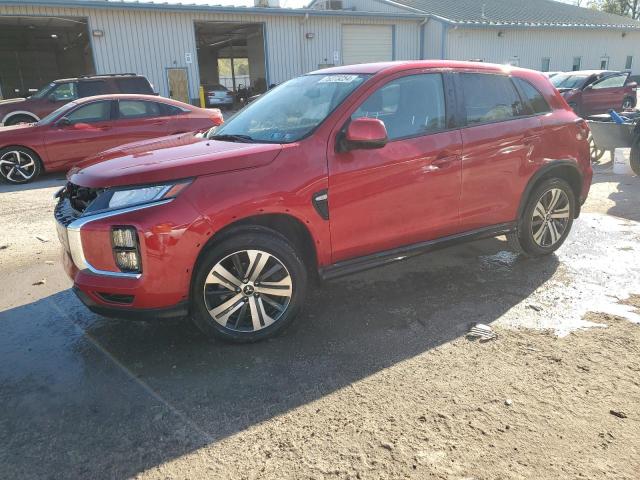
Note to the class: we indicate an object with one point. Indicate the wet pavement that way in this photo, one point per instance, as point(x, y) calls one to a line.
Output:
point(87, 397)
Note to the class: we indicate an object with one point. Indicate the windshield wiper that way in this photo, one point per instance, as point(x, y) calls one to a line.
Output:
point(233, 138)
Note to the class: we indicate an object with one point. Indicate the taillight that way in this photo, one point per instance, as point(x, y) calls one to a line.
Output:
point(125, 249)
point(583, 129)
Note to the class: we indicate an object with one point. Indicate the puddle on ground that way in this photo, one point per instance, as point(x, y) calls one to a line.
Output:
point(599, 268)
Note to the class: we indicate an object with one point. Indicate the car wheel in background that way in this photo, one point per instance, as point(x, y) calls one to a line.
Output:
point(19, 165)
point(16, 119)
point(628, 102)
point(248, 287)
point(546, 220)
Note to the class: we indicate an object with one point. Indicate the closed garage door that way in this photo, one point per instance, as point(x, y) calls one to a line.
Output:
point(366, 43)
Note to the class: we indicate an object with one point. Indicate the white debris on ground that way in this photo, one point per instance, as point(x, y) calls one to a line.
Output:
point(594, 279)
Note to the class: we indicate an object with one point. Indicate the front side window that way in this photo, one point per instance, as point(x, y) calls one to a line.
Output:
point(292, 110)
point(408, 106)
point(64, 92)
point(91, 113)
point(614, 81)
point(131, 109)
point(533, 96)
point(490, 98)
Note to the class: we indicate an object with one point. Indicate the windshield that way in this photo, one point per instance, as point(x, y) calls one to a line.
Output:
point(568, 81)
point(292, 110)
point(44, 91)
point(56, 113)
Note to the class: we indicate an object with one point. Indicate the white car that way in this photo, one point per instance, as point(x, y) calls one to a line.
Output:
point(219, 96)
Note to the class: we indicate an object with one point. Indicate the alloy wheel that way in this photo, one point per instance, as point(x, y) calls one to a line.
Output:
point(627, 103)
point(17, 166)
point(550, 217)
point(248, 290)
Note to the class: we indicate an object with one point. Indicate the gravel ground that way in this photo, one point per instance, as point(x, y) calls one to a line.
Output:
point(376, 380)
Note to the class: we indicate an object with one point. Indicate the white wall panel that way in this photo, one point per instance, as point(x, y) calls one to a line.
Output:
point(530, 46)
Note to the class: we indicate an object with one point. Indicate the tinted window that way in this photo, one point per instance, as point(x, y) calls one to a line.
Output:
point(533, 96)
point(89, 89)
point(133, 85)
point(408, 106)
point(138, 109)
point(172, 110)
point(490, 98)
point(569, 81)
point(64, 91)
point(92, 112)
point(611, 82)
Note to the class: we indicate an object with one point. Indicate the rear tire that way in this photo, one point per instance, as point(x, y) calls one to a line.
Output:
point(628, 102)
point(16, 119)
point(19, 165)
point(546, 220)
point(248, 287)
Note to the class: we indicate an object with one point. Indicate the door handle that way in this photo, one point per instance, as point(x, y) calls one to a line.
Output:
point(444, 160)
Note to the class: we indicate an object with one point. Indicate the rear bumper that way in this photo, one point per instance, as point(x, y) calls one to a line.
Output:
point(177, 311)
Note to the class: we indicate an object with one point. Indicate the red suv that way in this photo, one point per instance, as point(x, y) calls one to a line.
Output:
point(61, 92)
point(328, 174)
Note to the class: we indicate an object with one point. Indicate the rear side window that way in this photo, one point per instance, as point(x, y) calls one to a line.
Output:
point(172, 110)
point(129, 109)
point(408, 106)
point(531, 94)
point(89, 89)
point(91, 113)
point(489, 98)
point(138, 85)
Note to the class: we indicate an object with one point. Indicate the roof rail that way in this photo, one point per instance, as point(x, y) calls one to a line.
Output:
point(109, 75)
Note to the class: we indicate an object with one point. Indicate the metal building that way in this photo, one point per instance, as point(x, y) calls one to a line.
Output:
point(180, 47)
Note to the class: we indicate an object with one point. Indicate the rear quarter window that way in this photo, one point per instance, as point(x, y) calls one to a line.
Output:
point(138, 85)
point(89, 89)
point(533, 97)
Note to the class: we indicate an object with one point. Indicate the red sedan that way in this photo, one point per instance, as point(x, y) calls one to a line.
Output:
point(91, 125)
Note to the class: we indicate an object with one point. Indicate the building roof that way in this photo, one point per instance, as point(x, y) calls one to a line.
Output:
point(536, 13)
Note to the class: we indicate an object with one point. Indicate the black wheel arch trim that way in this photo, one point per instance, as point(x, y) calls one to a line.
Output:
point(543, 172)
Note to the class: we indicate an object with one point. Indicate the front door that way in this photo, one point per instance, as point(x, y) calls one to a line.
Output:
point(178, 84)
point(409, 190)
point(604, 95)
point(88, 132)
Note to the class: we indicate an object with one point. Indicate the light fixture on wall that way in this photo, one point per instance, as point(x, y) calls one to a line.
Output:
point(624, 34)
point(501, 33)
point(309, 35)
point(97, 33)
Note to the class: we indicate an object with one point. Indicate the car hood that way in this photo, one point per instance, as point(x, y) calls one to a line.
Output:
point(169, 158)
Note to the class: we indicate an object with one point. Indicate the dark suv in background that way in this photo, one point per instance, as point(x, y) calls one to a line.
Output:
point(59, 92)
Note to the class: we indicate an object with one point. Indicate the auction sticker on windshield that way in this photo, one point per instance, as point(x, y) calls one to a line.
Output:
point(339, 79)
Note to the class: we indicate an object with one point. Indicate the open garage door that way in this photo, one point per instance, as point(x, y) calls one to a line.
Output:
point(36, 50)
point(367, 43)
point(231, 59)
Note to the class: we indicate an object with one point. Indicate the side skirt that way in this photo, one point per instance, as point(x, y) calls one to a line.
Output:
point(359, 264)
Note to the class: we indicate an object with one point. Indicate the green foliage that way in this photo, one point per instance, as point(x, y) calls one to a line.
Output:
point(626, 8)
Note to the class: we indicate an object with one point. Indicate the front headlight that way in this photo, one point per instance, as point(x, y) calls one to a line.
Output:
point(124, 197)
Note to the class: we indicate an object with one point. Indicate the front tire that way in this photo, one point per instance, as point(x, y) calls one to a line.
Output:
point(546, 220)
point(248, 287)
point(19, 165)
point(628, 102)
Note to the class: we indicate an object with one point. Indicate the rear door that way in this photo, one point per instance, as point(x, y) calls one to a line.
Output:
point(604, 94)
point(499, 142)
point(88, 133)
point(140, 120)
point(409, 190)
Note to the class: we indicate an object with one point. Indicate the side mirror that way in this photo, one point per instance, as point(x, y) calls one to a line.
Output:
point(81, 126)
point(587, 88)
point(632, 84)
point(365, 133)
point(63, 122)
